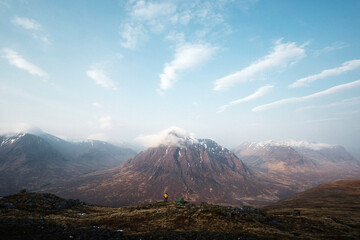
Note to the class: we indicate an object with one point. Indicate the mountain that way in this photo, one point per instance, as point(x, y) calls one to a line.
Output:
point(27, 161)
point(196, 169)
point(270, 156)
point(92, 155)
point(339, 199)
point(299, 164)
point(325, 155)
point(34, 161)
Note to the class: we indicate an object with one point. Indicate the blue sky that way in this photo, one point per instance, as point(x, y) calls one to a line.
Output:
point(233, 71)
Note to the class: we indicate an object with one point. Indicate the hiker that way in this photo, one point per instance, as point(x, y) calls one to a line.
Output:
point(166, 197)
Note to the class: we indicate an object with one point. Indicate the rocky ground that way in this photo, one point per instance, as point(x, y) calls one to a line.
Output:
point(46, 216)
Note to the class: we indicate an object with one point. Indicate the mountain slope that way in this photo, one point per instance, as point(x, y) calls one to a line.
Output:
point(307, 163)
point(27, 161)
point(35, 161)
point(340, 199)
point(198, 170)
point(272, 157)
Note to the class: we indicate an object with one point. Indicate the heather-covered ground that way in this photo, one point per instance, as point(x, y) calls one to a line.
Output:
point(45, 216)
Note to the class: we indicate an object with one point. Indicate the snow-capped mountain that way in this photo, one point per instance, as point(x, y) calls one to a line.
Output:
point(271, 156)
point(33, 161)
point(299, 163)
point(182, 166)
point(322, 155)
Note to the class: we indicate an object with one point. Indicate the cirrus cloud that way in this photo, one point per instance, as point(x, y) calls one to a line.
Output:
point(283, 54)
point(100, 77)
point(326, 92)
point(18, 61)
point(345, 67)
point(257, 94)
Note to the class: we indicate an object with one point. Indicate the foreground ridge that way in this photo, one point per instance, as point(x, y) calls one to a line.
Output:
point(46, 216)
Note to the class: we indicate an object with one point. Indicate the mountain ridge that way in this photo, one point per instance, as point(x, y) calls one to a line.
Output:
point(34, 161)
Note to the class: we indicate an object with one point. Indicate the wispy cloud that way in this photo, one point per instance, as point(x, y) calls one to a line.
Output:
point(326, 92)
point(153, 12)
point(144, 16)
point(186, 56)
point(282, 55)
point(101, 77)
point(18, 61)
point(33, 26)
point(344, 102)
point(26, 23)
point(345, 67)
point(257, 94)
point(330, 48)
point(131, 34)
point(156, 17)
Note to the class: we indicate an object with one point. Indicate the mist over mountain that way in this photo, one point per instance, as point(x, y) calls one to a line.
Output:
point(35, 161)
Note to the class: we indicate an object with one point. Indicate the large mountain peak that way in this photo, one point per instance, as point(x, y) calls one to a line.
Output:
point(182, 166)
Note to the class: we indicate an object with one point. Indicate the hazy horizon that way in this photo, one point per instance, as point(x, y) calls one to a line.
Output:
point(232, 71)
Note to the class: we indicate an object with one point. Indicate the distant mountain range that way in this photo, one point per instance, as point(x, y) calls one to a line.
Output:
point(34, 161)
point(299, 164)
point(196, 169)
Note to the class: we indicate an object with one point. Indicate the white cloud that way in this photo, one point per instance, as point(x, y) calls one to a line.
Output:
point(186, 56)
point(150, 11)
point(344, 102)
point(257, 94)
point(345, 67)
point(144, 15)
point(17, 60)
point(27, 23)
point(131, 34)
point(36, 29)
point(105, 123)
point(173, 136)
point(282, 55)
point(101, 77)
point(147, 17)
point(326, 92)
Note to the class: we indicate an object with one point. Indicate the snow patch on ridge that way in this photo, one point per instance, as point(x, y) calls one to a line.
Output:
point(11, 139)
point(290, 143)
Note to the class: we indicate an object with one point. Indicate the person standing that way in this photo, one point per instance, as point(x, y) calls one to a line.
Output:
point(166, 197)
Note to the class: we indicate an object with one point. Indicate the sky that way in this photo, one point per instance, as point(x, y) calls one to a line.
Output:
point(231, 71)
